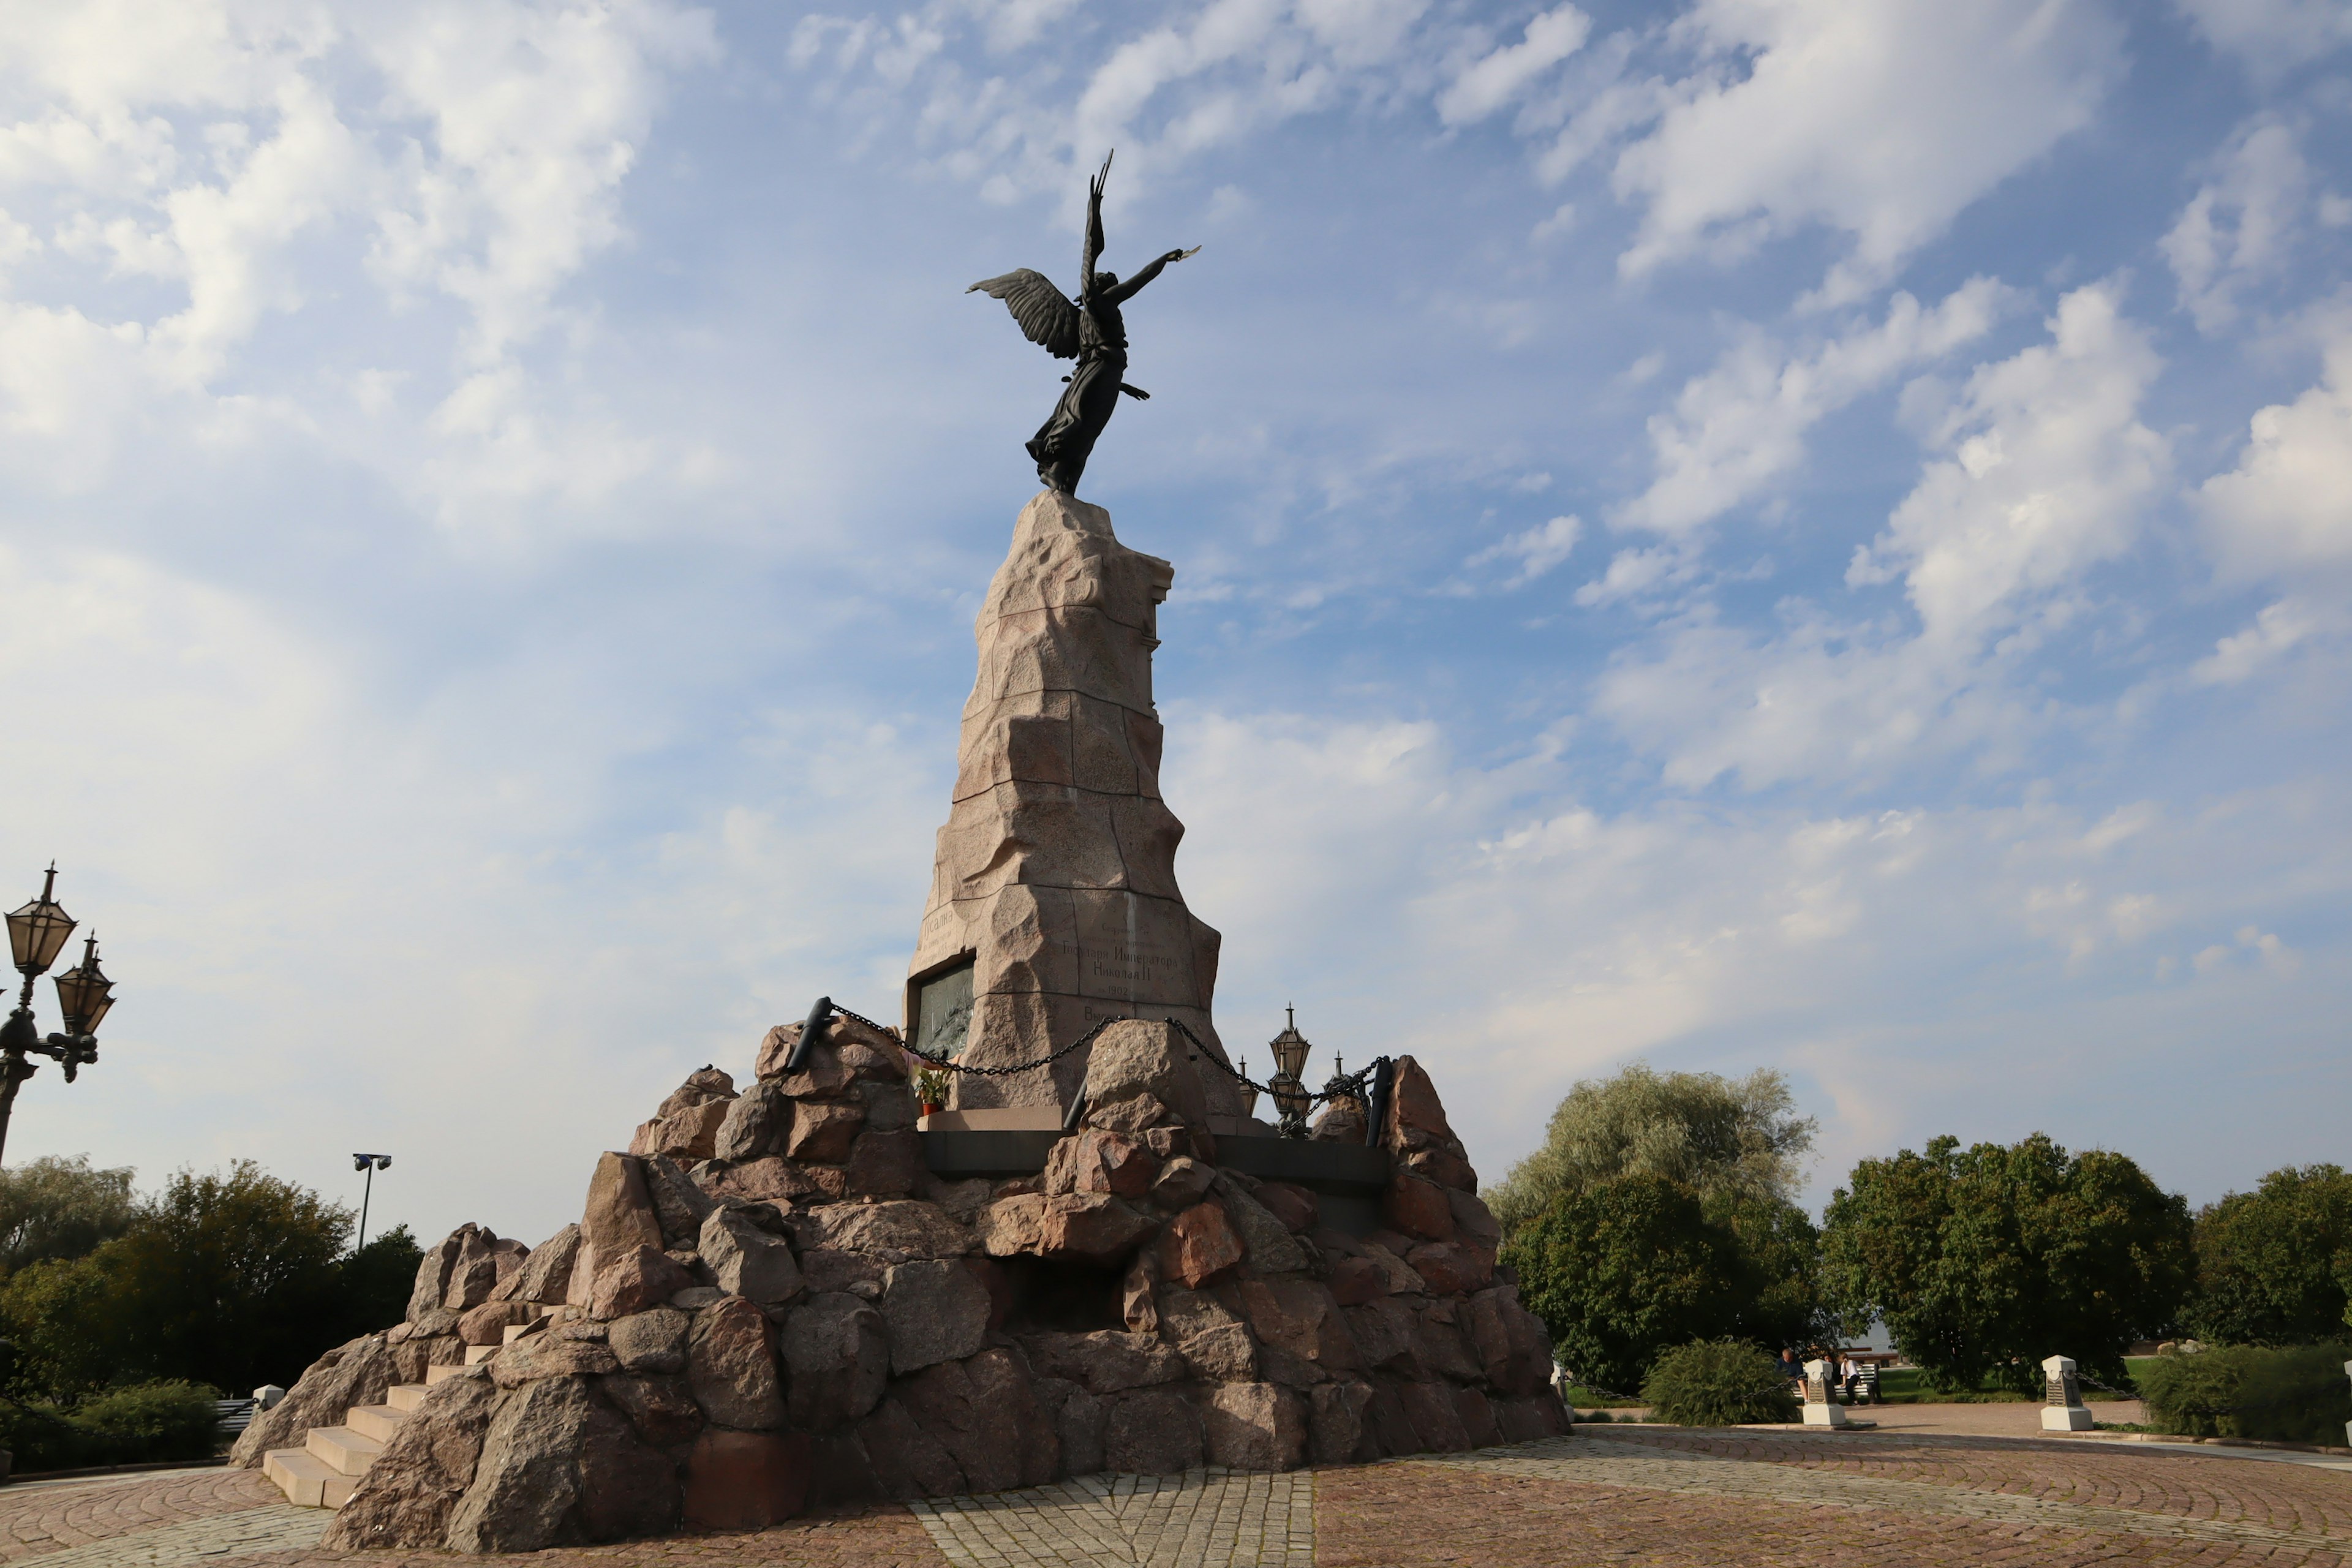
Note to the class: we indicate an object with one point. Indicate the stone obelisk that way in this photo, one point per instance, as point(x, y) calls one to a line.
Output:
point(1053, 901)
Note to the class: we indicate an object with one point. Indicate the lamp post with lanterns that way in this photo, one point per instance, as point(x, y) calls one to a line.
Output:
point(371, 1163)
point(36, 935)
point(1289, 1089)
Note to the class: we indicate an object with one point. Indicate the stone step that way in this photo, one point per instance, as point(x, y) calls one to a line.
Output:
point(344, 1448)
point(517, 1330)
point(404, 1395)
point(306, 1480)
point(476, 1355)
point(434, 1375)
point(375, 1421)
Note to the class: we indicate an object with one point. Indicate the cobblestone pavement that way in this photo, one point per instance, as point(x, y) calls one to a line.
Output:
point(1664, 1497)
point(1204, 1519)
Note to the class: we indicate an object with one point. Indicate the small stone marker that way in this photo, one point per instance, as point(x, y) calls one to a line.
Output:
point(267, 1396)
point(1820, 1410)
point(2062, 1410)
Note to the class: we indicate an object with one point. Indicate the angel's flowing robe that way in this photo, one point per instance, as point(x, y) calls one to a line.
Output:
point(1064, 442)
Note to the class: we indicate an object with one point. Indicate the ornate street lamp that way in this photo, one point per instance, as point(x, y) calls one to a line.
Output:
point(371, 1163)
point(1289, 1090)
point(36, 935)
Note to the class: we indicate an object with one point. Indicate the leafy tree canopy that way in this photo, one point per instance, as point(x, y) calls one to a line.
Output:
point(1983, 1261)
point(59, 1207)
point(2272, 1265)
point(1731, 1141)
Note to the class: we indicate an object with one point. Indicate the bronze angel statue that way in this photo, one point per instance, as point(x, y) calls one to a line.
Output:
point(1088, 330)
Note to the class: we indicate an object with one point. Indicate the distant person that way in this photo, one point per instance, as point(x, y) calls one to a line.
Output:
point(1791, 1367)
point(1849, 1376)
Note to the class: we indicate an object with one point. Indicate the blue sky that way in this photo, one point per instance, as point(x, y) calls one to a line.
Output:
point(1794, 532)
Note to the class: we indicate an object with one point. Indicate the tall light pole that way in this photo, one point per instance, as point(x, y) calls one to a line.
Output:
point(371, 1163)
point(37, 933)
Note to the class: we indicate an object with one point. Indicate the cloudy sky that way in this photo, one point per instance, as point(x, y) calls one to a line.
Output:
point(1796, 532)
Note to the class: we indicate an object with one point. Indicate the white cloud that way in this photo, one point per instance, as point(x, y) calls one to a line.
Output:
point(1537, 551)
point(2239, 227)
point(2283, 508)
point(2049, 472)
point(1495, 80)
point(2272, 36)
point(2276, 630)
point(1879, 119)
point(1743, 423)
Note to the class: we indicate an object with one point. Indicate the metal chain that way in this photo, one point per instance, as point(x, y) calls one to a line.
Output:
point(1351, 1086)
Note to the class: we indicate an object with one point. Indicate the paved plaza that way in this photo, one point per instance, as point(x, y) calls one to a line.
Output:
point(1618, 1495)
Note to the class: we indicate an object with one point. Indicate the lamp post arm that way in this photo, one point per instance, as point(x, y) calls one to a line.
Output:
point(14, 1070)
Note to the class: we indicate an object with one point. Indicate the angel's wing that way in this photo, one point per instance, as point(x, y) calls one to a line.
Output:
point(1046, 316)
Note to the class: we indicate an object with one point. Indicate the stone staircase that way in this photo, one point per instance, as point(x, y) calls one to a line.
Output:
point(323, 1472)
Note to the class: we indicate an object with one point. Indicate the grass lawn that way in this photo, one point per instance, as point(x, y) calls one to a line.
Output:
point(1906, 1386)
point(1584, 1398)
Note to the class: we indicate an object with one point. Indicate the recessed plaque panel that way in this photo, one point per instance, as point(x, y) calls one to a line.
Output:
point(943, 1012)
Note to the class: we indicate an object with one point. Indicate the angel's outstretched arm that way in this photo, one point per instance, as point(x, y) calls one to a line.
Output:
point(1128, 287)
point(1093, 248)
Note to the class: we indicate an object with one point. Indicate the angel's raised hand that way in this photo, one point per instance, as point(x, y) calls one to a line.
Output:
point(1181, 255)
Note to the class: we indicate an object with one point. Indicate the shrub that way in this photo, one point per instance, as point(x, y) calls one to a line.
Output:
point(2272, 1263)
point(1719, 1383)
point(135, 1426)
point(2289, 1395)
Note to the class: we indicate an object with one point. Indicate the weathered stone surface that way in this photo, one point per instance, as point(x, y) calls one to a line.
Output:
point(1253, 1426)
point(746, 1480)
point(884, 1164)
point(1439, 1346)
point(823, 1131)
point(354, 1373)
point(433, 1274)
point(1295, 1206)
point(447, 1350)
point(1012, 1226)
point(1357, 1279)
point(1524, 1419)
point(1213, 1340)
point(487, 1324)
point(1183, 1181)
point(661, 1409)
point(1342, 1121)
point(619, 1215)
point(1151, 1432)
point(547, 1355)
point(1478, 1418)
point(1300, 1317)
point(1079, 1419)
point(1473, 1223)
point(827, 1269)
point(983, 1411)
point(1138, 1293)
point(1198, 1245)
point(837, 1354)
point(746, 1259)
point(731, 1366)
point(934, 1310)
point(1403, 1280)
point(891, 1232)
point(703, 1086)
point(439, 1320)
point(1435, 1421)
point(1099, 1161)
point(1446, 1168)
point(1452, 1268)
point(1383, 1332)
point(907, 1462)
point(407, 1496)
point(689, 1133)
point(474, 1273)
point(679, 1206)
point(889, 1107)
point(1142, 1056)
point(640, 1278)
point(1391, 1428)
point(410, 1358)
point(546, 1275)
point(652, 1340)
point(841, 1473)
point(1416, 1117)
point(1105, 1362)
point(1514, 1347)
point(775, 1049)
point(1090, 1228)
point(1337, 1430)
point(525, 1493)
point(774, 1179)
point(1417, 1207)
point(1265, 1240)
point(757, 1122)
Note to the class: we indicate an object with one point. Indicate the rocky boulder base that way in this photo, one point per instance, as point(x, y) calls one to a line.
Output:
point(802, 1315)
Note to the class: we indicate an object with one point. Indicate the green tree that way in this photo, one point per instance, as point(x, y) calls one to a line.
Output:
point(1730, 1140)
point(59, 1207)
point(1624, 1269)
point(2272, 1264)
point(1983, 1261)
point(231, 1279)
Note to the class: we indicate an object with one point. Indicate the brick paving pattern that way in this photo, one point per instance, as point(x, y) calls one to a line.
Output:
point(1203, 1519)
point(1634, 1496)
